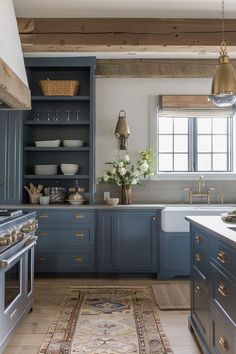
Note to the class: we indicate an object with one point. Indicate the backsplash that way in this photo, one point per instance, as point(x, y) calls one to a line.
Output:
point(162, 192)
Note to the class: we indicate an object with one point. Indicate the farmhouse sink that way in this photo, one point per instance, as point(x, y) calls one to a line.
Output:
point(173, 216)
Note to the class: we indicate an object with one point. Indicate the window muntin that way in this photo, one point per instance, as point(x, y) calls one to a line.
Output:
point(194, 144)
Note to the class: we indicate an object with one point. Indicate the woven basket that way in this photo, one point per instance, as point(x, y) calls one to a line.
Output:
point(59, 87)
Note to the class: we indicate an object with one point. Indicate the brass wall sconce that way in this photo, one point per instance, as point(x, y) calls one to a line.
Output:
point(122, 131)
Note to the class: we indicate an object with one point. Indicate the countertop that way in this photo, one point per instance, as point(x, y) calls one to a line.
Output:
point(83, 206)
point(216, 226)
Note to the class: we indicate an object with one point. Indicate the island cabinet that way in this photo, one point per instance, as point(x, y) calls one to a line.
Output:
point(126, 241)
point(213, 291)
point(65, 241)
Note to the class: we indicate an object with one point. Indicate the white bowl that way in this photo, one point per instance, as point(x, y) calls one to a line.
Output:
point(73, 143)
point(69, 168)
point(76, 202)
point(112, 201)
point(47, 143)
point(45, 169)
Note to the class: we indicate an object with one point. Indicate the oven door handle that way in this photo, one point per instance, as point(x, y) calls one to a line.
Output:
point(7, 263)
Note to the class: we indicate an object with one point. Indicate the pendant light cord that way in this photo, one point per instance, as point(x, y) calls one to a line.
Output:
point(223, 49)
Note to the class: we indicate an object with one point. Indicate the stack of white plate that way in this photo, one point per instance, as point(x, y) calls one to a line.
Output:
point(73, 143)
point(47, 143)
point(45, 169)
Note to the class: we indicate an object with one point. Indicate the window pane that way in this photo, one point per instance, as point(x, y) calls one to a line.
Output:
point(204, 162)
point(181, 125)
point(204, 125)
point(165, 125)
point(220, 162)
point(165, 162)
point(220, 143)
point(181, 162)
point(181, 143)
point(220, 126)
point(165, 143)
point(204, 143)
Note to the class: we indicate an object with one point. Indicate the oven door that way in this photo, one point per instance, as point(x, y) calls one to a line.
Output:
point(15, 288)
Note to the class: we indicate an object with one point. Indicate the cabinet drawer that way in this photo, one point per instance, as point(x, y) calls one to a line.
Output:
point(67, 236)
point(223, 256)
point(47, 262)
point(62, 216)
point(223, 334)
point(224, 292)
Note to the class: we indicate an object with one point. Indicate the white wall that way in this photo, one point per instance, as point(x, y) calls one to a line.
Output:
point(10, 47)
point(132, 95)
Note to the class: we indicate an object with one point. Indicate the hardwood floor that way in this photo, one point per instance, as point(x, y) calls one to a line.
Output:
point(49, 294)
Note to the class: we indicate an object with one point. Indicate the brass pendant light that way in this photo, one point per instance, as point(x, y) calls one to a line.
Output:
point(223, 91)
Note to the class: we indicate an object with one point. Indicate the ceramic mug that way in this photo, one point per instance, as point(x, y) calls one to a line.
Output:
point(44, 199)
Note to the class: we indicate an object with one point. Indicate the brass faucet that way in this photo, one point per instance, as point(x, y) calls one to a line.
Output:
point(199, 193)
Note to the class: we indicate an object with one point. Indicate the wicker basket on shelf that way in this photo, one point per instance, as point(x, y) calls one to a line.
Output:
point(59, 87)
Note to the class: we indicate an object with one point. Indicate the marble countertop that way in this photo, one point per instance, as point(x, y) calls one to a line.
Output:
point(83, 206)
point(216, 226)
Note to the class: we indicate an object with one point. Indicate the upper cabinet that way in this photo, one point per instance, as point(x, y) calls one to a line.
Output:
point(60, 117)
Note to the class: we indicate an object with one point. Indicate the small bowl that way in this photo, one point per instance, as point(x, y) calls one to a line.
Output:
point(69, 168)
point(45, 169)
point(112, 201)
point(73, 143)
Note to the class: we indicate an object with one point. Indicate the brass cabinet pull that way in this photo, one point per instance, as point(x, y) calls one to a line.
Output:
point(43, 234)
point(79, 259)
point(43, 216)
point(42, 259)
point(198, 239)
point(198, 257)
point(223, 343)
point(154, 218)
point(197, 289)
point(79, 216)
point(222, 289)
point(222, 257)
point(79, 234)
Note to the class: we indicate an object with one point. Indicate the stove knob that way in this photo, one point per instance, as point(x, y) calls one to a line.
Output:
point(3, 241)
point(26, 228)
point(14, 236)
point(8, 238)
point(35, 225)
point(20, 236)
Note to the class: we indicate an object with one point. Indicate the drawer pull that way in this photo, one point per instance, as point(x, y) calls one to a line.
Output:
point(221, 256)
point(79, 216)
point(223, 343)
point(79, 259)
point(42, 259)
point(79, 234)
point(222, 289)
point(198, 257)
point(43, 216)
point(197, 289)
point(198, 239)
point(43, 234)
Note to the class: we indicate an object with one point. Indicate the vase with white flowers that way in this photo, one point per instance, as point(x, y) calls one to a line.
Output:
point(126, 174)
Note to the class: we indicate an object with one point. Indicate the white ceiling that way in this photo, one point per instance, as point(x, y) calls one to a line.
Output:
point(125, 8)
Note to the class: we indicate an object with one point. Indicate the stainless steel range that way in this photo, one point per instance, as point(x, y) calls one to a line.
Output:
point(17, 242)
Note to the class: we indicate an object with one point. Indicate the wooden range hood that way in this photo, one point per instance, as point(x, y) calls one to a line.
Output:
point(14, 91)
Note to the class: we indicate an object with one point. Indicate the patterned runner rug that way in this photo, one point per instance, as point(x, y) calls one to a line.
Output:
point(106, 320)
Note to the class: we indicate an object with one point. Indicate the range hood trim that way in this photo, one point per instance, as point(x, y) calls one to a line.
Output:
point(13, 91)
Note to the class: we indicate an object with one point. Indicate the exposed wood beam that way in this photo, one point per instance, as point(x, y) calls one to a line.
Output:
point(140, 35)
point(143, 68)
point(13, 92)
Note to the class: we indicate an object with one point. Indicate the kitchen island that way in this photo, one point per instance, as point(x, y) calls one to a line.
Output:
point(213, 283)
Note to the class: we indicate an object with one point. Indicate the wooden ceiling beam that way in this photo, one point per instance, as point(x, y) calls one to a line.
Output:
point(140, 35)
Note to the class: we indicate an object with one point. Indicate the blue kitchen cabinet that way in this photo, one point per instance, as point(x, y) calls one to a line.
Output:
point(66, 241)
point(213, 291)
point(174, 257)
point(10, 157)
point(126, 241)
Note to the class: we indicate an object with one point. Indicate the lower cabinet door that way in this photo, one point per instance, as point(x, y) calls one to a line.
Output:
point(80, 261)
point(200, 306)
point(223, 333)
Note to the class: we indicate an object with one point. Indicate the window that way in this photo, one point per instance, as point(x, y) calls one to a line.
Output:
point(194, 144)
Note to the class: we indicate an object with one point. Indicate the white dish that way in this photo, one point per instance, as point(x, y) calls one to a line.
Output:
point(47, 143)
point(112, 201)
point(75, 202)
point(73, 143)
point(45, 169)
point(69, 168)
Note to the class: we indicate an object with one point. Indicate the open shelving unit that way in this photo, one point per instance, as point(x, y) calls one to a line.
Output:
point(62, 118)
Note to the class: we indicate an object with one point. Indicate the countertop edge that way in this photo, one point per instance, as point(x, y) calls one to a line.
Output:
point(84, 207)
